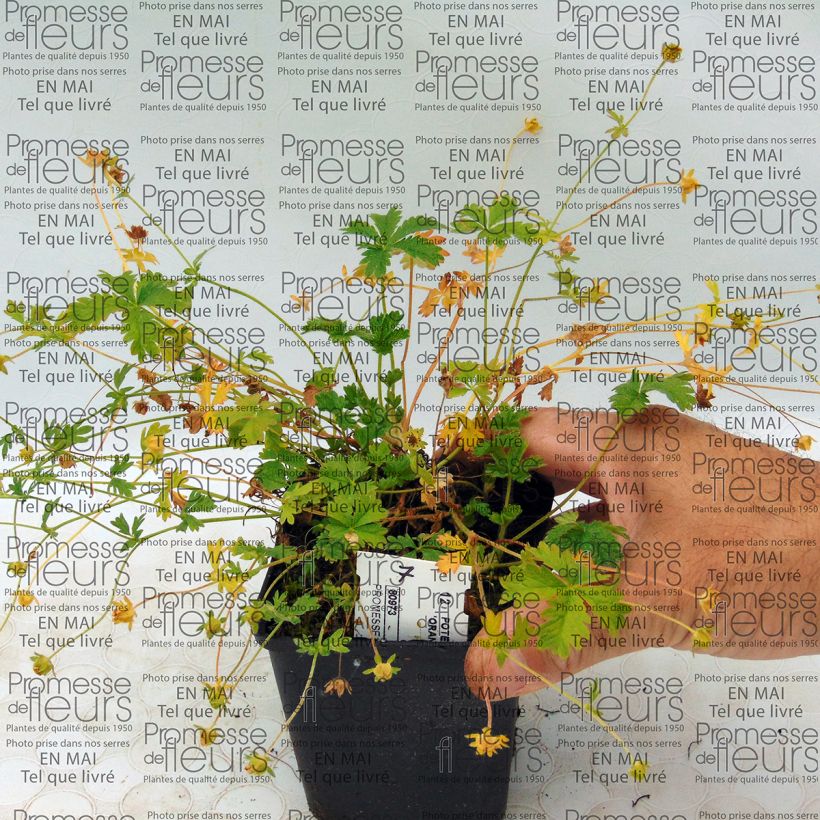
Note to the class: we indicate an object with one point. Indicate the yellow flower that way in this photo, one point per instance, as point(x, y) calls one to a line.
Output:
point(687, 183)
point(338, 687)
point(139, 257)
point(25, 598)
point(531, 125)
point(206, 736)
point(452, 560)
point(42, 664)
point(213, 626)
point(383, 671)
point(638, 770)
point(449, 562)
point(412, 440)
point(227, 580)
point(804, 442)
point(16, 569)
point(671, 53)
point(258, 764)
point(702, 638)
point(218, 693)
point(124, 612)
point(210, 397)
point(486, 743)
point(683, 339)
point(27, 454)
point(460, 430)
point(215, 555)
point(93, 158)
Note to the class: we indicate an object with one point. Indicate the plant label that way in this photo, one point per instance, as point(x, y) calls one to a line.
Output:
point(408, 599)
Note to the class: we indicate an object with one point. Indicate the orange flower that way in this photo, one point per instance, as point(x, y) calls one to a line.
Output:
point(477, 255)
point(452, 560)
point(671, 53)
point(565, 246)
point(123, 612)
point(25, 598)
point(687, 183)
point(338, 687)
point(486, 743)
point(303, 301)
point(452, 287)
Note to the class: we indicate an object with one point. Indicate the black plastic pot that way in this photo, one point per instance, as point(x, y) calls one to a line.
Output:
point(393, 750)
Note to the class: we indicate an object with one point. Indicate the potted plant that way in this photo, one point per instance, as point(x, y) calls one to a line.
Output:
point(396, 533)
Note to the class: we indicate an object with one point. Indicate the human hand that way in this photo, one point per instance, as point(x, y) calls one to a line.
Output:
point(722, 534)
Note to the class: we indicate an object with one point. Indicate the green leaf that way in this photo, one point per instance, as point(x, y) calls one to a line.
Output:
point(632, 396)
point(199, 502)
point(356, 519)
point(506, 515)
point(341, 472)
point(421, 250)
point(505, 447)
point(277, 609)
point(275, 475)
point(677, 388)
point(375, 261)
point(601, 539)
point(497, 224)
point(132, 532)
point(397, 472)
point(249, 419)
point(385, 235)
point(386, 224)
point(298, 497)
point(564, 625)
point(391, 377)
point(572, 592)
point(608, 606)
point(59, 438)
point(384, 331)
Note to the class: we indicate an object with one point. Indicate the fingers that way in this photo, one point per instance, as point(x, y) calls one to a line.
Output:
point(529, 668)
point(568, 441)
